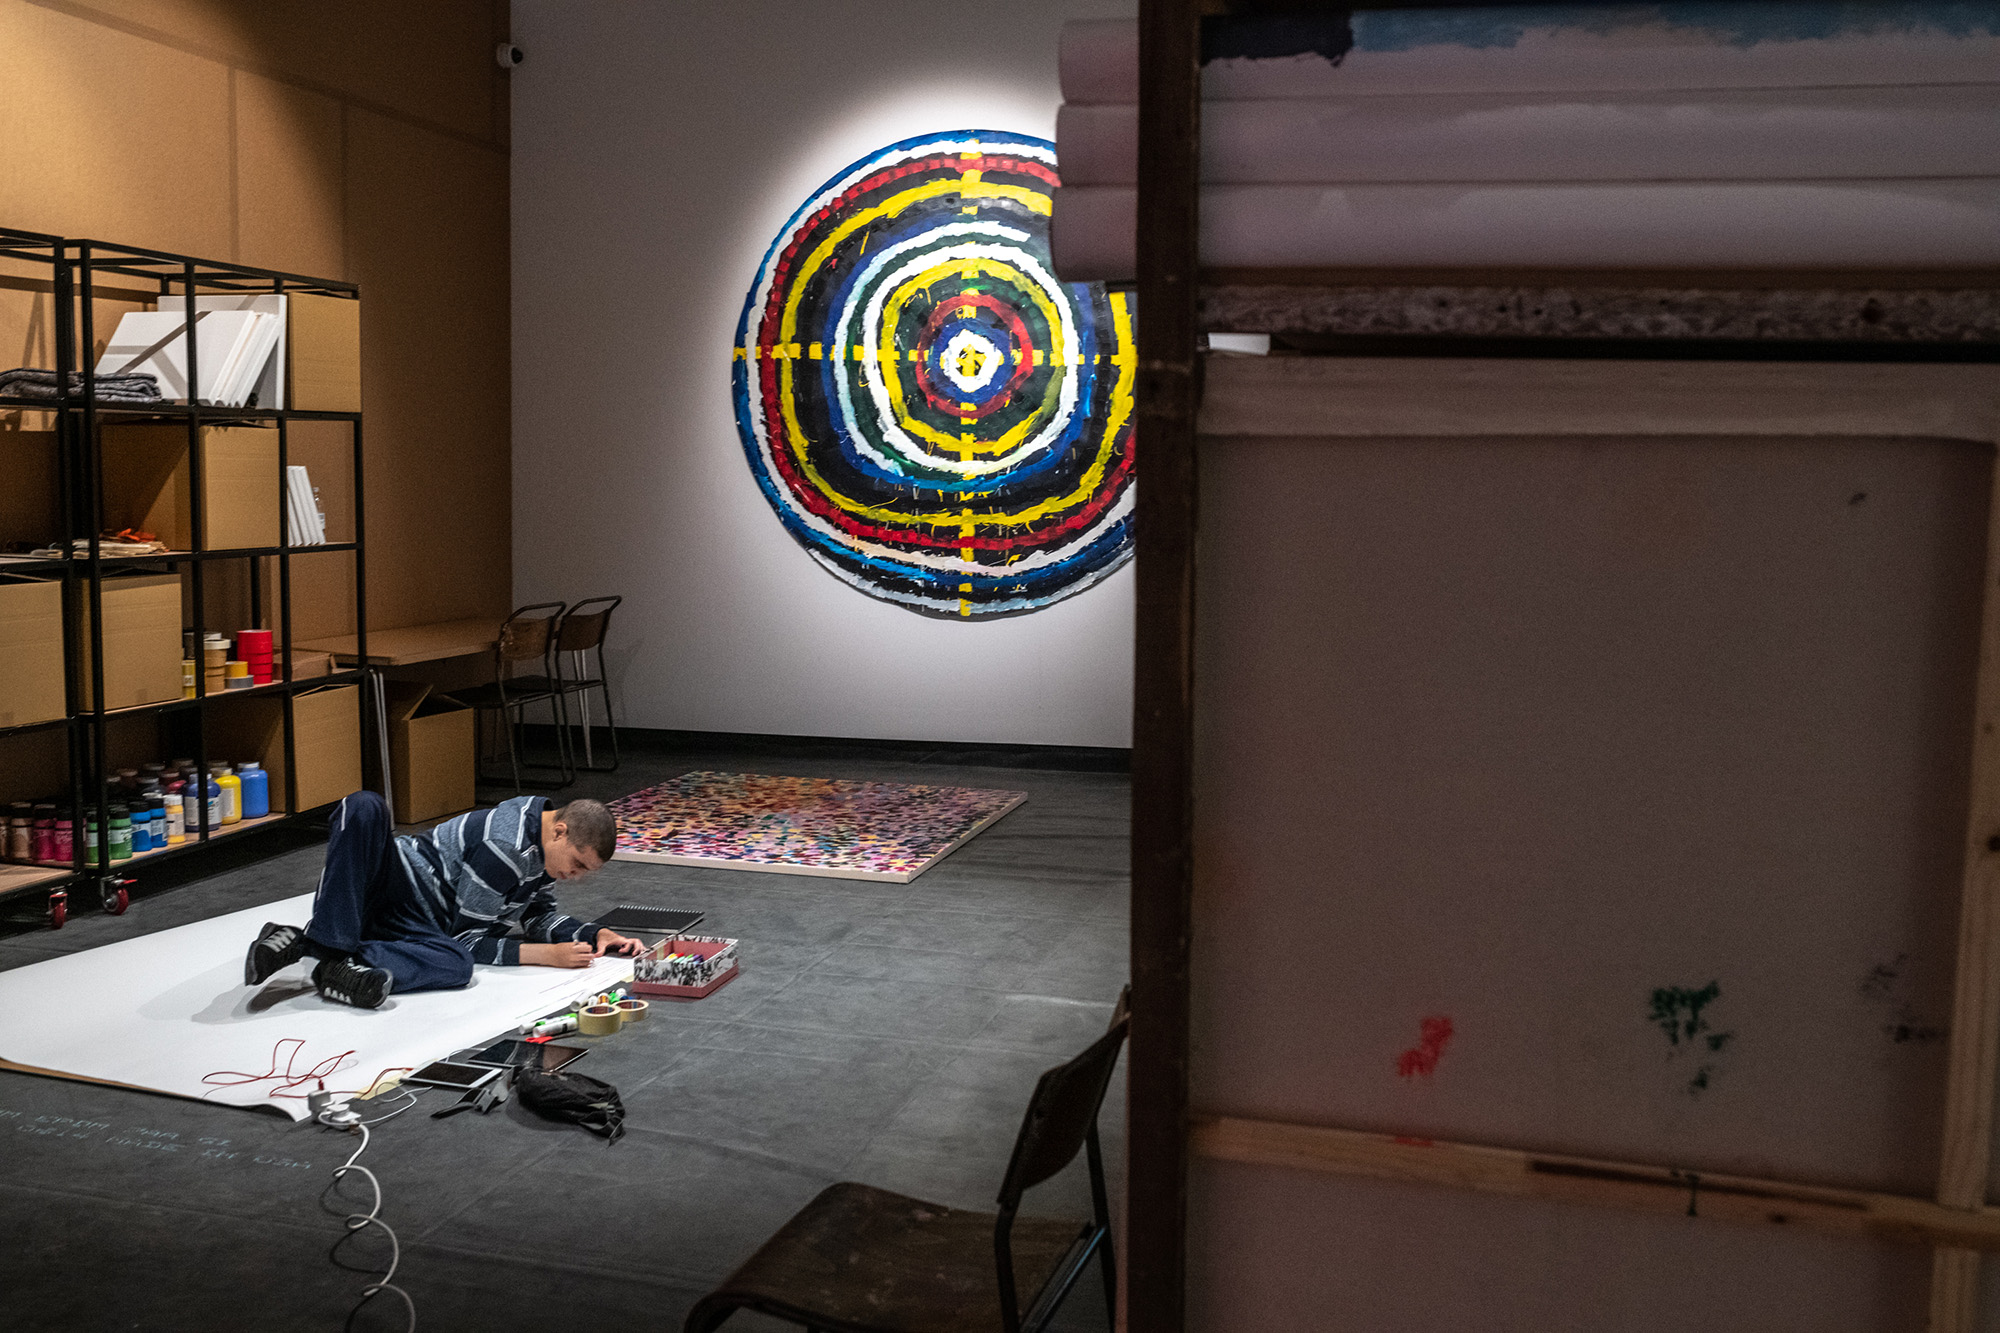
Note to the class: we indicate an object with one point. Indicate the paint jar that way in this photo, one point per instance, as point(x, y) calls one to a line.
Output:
point(63, 843)
point(187, 678)
point(119, 836)
point(156, 818)
point(20, 831)
point(256, 785)
point(90, 838)
point(152, 771)
point(142, 828)
point(230, 792)
point(42, 844)
point(176, 815)
point(128, 779)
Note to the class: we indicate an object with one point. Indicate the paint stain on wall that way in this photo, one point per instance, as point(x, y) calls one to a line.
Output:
point(1434, 1036)
point(1682, 1013)
point(1888, 984)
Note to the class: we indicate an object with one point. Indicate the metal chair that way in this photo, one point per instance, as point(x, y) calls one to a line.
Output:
point(528, 635)
point(582, 631)
point(863, 1260)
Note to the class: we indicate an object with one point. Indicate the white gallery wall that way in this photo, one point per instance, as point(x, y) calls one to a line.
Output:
point(657, 149)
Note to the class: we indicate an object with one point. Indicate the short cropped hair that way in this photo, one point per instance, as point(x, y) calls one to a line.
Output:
point(588, 824)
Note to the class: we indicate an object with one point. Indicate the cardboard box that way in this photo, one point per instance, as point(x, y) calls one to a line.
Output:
point(323, 344)
point(307, 664)
point(142, 641)
point(431, 752)
point(31, 652)
point(148, 485)
point(326, 741)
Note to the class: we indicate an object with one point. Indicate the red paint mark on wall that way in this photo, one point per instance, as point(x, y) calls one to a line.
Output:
point(1423, 1057)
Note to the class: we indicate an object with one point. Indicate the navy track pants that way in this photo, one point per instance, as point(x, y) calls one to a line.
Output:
point(367, 906)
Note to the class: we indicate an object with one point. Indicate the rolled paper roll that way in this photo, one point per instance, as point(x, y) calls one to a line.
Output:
point(631, 1010)
point(235, 668)
point(599, 1020)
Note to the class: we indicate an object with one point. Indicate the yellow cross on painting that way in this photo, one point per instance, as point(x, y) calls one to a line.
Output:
point(970, 359)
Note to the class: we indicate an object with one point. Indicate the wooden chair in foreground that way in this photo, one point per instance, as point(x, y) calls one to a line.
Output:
point(862, 1260)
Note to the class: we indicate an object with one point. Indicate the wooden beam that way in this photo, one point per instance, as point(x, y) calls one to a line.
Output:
point(1631, 1186)
point(1163, 676)
point(1974, 1059)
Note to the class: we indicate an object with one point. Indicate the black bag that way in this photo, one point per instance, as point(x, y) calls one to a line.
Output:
point(573, 1099)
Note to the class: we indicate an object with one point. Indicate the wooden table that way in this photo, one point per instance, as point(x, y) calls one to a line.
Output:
point(413, 643)
point(406, 647)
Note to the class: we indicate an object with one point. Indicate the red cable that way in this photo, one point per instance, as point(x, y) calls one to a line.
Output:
point(287, 1079)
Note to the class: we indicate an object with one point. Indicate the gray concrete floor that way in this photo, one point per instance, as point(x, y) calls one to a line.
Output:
point(879, 1032)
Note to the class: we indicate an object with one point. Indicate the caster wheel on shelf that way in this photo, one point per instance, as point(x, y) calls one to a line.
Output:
point(58, 910)
point(116, 898)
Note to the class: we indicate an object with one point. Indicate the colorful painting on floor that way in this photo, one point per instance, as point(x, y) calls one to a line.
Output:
point(803, 826)
point(932, 415)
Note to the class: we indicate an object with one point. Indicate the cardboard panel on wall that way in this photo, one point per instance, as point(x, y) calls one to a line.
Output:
point(427, 227)
point(324, 450)
point(131, 137)
point(288, 178)
point(432, 61)
point(30, 499)
point(322, 595)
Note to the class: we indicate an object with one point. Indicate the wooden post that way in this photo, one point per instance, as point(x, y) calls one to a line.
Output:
point(1974, 1059)
point(1163, 686)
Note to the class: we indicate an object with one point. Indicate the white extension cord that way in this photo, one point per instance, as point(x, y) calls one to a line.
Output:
point(337, 1112)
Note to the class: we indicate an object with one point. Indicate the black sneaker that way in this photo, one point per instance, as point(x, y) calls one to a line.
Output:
point(276, 947)
point(350, 981)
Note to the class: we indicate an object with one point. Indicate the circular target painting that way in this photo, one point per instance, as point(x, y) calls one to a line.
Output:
point(932, 415)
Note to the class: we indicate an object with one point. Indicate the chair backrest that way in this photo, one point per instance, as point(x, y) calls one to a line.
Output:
point(585, 624)
point(1062, 1113)
point(526, 634)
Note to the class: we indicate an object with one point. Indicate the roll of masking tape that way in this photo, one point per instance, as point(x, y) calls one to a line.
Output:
point(631, 1010)
point(599, 1020)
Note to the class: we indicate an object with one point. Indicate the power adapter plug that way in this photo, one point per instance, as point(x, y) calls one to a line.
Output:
point(333, 1108)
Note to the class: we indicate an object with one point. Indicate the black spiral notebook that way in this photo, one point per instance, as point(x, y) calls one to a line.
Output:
point(656, 920)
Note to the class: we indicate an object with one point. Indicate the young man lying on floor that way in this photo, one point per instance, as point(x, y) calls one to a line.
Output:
point(415, 912)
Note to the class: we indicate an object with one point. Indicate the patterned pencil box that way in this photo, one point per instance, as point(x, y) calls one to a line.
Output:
point(686, 967)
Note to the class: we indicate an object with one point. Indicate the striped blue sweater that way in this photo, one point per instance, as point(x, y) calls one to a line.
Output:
point(482, 880)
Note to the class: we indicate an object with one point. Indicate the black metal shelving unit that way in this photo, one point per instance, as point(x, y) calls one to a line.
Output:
point(76, 268)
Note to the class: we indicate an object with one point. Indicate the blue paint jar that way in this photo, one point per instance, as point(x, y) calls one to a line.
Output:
point(256, 789)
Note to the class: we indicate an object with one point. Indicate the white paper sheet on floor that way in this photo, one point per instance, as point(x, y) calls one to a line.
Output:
point(165, 1010)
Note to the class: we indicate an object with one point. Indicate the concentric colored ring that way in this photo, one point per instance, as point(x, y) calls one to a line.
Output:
point(931, 414)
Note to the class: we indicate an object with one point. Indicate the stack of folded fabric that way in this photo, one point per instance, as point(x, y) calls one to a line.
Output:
point(40, 385)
